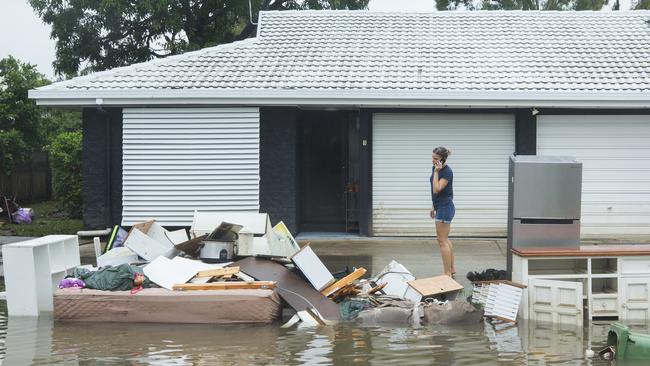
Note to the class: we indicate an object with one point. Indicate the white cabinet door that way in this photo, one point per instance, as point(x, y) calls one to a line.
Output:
point(557, 302)
point(636, 303)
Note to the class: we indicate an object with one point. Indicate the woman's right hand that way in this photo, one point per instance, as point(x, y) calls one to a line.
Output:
point(432, 214)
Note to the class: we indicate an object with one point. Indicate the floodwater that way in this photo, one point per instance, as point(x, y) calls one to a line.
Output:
point(41, 341)
point(25, 341)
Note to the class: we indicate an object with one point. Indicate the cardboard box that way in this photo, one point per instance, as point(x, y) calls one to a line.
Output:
point(426, 287)
point(150, 240)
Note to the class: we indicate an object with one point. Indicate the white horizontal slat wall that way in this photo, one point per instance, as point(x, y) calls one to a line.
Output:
point(615, 156)
point(401, 166)
point(177, 160)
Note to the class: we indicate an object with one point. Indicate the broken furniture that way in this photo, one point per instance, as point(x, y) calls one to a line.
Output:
point(394, 277)
point(158, 305)
point(33, 270)
point(312, 267)
point(544, 202)
point(604, 280)
point(345, 281)
point(294, 290)
point(500, 299)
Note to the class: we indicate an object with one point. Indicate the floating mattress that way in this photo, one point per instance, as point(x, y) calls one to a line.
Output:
point(159, 305)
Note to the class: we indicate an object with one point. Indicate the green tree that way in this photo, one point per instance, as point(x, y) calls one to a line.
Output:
point(642, 4)
point(24, 126)
point(13, 150)
point(19, 117)
point(65, 157)
point(93, 35)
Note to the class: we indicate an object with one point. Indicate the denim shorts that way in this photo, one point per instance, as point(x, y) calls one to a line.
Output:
point(445, 213)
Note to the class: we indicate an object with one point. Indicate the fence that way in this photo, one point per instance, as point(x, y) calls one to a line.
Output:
point(30, 182)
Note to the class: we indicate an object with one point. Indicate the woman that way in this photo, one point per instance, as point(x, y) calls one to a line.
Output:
point(442, 195)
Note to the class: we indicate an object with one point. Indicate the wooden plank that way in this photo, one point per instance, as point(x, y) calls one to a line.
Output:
point(218, 272)
point(375, 289)
point(224, 286)
point(435, 285)
point(344, 281)
point(585, 251)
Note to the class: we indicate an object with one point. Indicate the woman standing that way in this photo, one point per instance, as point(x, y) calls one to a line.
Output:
point(442, 195)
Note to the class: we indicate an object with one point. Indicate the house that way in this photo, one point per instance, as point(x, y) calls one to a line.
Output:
point(326, 120)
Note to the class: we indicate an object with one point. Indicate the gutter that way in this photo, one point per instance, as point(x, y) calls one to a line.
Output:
point(344, 98)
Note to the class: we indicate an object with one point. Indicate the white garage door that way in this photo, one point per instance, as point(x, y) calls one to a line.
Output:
point(177, 160)
point(401, 166)
point(615, 152)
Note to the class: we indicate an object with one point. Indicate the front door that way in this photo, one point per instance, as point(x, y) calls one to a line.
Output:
point(323, 170)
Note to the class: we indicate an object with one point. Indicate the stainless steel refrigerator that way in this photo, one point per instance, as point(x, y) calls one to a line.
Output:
point(544, 198)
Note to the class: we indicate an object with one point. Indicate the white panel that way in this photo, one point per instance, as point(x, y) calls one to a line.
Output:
point(636, 300)
point(177, 160)
point(312, 267)
point(401, 167)
point(555, 301)
point(615, 152)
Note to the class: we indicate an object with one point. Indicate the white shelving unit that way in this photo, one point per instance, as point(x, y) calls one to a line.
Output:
point(595, 281)
point(33, 269)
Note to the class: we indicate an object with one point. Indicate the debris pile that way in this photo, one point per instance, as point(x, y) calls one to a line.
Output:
point(239, 261)
point(499, 298)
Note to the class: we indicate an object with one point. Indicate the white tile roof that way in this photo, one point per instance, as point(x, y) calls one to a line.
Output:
point(361, 56)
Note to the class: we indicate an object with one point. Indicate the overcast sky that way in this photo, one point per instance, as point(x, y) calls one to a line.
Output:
point(23, 35)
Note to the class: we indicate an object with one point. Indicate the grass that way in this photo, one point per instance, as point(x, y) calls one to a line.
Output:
point(48, 219)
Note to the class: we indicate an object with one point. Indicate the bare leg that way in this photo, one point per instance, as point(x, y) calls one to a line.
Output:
point(453, 261)
point(442, 233)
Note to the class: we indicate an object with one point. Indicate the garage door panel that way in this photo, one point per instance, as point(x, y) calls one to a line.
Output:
point(401, 156)
point(615, 153)
point(176, 161)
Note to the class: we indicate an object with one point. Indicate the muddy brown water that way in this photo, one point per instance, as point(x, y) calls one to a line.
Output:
point(30, 341)
point(41, 341)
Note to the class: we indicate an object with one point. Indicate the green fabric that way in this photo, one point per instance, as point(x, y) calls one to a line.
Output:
point(350, 309)
point(118, 278)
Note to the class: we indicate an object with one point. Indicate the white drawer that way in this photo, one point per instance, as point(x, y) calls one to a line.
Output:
point(601, 307)
point(635, 266)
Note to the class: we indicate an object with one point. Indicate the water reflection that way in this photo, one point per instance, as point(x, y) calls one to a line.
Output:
point(40, 341)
